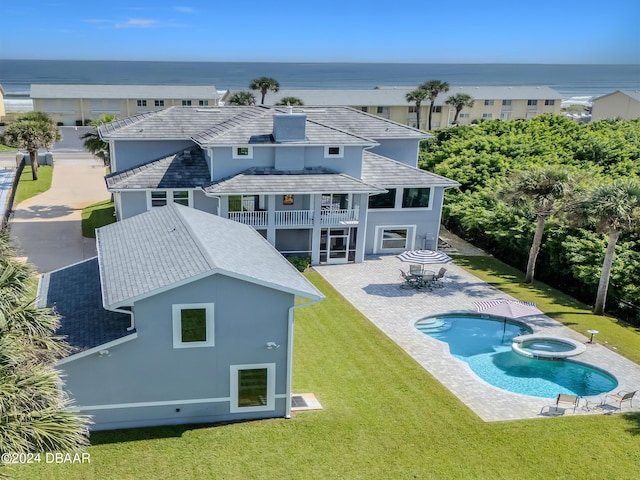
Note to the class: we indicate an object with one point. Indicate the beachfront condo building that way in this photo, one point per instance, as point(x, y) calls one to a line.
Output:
point(619, 104)
point(79, 104)
point(491, 102)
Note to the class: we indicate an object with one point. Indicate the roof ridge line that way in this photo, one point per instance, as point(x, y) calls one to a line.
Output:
point(194, 237)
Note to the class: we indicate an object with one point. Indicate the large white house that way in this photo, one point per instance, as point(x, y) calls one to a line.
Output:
point(332, 184)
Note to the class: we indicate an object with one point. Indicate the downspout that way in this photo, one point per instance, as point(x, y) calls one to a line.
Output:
point(290, 354)
point(129, 312)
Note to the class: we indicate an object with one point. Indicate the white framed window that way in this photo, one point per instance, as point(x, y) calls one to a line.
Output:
point(142, 103)
point(437, 109)
point(394, 238)
point(253, 387)
point(364, 109)
point(532, 103)
point(505, 116)
point(203, 103)
point(333, 151)
point(193, 325)
point(413, 109)
point(382, 110)
point(242, 152)
point(488, 103)
point(506, 103)
point(160, 198)
point(463, 115)
point(158, 103)
point(487, 115)
point(549, 102)
point(186, 103)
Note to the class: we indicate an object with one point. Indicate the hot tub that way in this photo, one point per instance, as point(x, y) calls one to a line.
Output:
point(540, 346)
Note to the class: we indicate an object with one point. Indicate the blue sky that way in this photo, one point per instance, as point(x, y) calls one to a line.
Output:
point(422, 31)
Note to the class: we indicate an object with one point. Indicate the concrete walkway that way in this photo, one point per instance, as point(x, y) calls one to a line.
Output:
point(373, 287)
point(46, 229)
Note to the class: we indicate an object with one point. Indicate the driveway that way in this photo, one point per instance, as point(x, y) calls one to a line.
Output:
point(46, 229)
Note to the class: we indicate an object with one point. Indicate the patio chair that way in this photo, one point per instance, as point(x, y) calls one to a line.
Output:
point(437, 278)
point(415, 269)
point(409, 280)
point(620, 397)
point(563, 402)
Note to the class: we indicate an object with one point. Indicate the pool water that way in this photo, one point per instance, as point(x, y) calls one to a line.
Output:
point(485, 344)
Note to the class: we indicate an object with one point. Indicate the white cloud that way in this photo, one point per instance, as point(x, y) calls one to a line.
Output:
point(186, 9)
point(137, 23)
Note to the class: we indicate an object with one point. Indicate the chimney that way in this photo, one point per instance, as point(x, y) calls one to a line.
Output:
point(289, 127)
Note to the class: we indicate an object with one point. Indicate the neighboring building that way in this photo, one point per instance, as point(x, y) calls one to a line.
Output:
point(619, 104)
point(183, 317)
point(503, 102)
point(79, 104)
point(329, 183)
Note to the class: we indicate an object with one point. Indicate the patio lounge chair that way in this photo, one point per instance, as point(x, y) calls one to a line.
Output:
point(563, 402)
point(620, 397)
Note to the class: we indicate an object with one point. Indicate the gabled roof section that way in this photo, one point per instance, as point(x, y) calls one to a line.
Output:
point(74, 293)
point(174, 245)
point(633, 94)
point(361, 123)
point(384, 172)
point(259, 130)
point(185, 169)
point(271, 181)
point(173, 123)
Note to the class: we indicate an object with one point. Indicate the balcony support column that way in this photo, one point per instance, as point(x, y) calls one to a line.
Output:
point(271, 219)
point(315, 232)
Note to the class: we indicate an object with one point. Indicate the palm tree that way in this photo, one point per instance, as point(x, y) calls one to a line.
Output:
point(34, 414)
point(242, 98)
point(290, 101)
point(613, 208)
point(264, 84)
point(545, 187)
point(459, 101)
point(433, 88)
point(417, 96)
point(31, 131)
point(94, 144)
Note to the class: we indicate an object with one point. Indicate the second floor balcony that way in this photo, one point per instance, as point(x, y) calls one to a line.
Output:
point(296, 218)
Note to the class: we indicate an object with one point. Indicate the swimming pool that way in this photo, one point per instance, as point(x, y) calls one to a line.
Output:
point(484, 343)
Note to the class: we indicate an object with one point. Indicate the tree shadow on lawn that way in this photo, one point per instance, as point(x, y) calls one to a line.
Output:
point(634, 422)
point(106, 437)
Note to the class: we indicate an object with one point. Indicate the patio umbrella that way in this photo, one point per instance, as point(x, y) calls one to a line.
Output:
point(424, 257)
point(507, 308)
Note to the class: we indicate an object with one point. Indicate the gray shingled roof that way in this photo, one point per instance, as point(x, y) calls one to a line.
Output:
point(74, 293)
point(185, 169)
point(634, 94)
point(233, 125)
point(384, 172)
point(272, 181)
point(157, 250)
point(396, 95)
point(175, 122)
point(259, 131)
point(186, 92)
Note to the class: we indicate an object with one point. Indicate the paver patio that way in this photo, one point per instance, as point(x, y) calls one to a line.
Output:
point(373, 287)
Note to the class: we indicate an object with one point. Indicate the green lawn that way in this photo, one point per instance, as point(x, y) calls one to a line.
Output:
point(384, 417)
point(96, 216)
point(621, 337)
point(4, 148)
point(28, 188)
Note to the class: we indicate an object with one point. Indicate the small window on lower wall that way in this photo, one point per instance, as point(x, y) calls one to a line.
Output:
point(193, 325)
point(253, 387)
point(393, 239)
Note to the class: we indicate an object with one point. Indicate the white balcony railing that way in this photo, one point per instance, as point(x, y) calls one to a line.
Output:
point(296, 218)
point(293, 218)
point(255, 219)
point(339, 217)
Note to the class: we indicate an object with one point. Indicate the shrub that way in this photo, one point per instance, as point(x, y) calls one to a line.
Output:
point(301, 263)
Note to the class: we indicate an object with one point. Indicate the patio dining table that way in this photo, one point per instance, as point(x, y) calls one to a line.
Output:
point(422, 280)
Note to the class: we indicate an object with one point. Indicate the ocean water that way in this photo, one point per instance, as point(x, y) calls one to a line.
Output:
point(571, 81)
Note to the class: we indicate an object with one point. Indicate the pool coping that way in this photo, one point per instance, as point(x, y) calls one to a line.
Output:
point(373, 288)
point(578, 348)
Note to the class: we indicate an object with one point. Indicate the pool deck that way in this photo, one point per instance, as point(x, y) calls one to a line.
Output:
point(373, 287)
